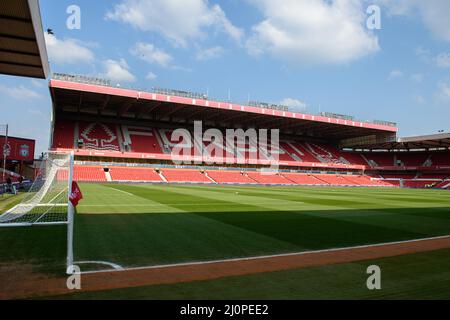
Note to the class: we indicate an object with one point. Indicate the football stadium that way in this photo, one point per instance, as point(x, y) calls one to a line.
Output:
point(169, 194)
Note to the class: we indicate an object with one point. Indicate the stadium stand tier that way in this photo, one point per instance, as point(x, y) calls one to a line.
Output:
point(137, 129)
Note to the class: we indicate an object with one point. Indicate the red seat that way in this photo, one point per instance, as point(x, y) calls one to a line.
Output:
point(134, 174)
point(182, 175)
point(264, 178)
point(230, 177)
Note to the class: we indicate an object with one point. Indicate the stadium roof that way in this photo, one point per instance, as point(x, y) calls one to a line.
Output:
point(117, 103)
point(22, 44)
point(434, 141)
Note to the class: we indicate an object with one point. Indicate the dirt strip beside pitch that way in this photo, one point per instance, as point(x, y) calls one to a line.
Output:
point(41, 286)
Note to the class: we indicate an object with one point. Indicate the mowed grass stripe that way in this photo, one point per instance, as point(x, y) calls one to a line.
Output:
point(340, 198)
point(107, 199)
point(147, 225)
point(416, 219)
point(160, 238)
point(302, 232)
point(295, 229)
point(242, 199)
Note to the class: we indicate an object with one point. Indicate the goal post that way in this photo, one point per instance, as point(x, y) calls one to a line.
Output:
point(47, 201)
point(70, 218)
point(4, 149)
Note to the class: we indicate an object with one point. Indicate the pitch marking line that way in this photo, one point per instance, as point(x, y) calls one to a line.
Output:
point(112, 265)
point(267, 256)
point(127, 193)
point(174, 204)
point(57, 196)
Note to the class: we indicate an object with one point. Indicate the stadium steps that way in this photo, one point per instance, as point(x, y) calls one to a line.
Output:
point(274, 178)
point(108, 176)
point(161, 175)
point(185, 176)
point(251, 178)
point(212, 180)
point(287, 178)
point(321, 180)
point(230, 177)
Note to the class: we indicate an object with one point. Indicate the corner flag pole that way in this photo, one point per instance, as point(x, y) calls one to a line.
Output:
point(70, 218)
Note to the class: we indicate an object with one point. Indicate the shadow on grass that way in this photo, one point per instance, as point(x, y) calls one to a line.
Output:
point(164, 238)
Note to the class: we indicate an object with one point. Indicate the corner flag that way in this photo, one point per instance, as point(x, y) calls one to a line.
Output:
point(76, 194)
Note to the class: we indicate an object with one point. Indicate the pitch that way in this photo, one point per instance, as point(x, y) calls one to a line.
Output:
point(131, 226)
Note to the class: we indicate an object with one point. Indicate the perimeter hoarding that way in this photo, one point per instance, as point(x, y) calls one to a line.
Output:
point(17, 149)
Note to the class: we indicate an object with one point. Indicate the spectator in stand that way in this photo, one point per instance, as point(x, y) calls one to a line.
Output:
point(20, 182)
point(9, 185)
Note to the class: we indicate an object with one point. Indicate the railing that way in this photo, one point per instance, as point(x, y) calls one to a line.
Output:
point(266, 105)
point(385, 123)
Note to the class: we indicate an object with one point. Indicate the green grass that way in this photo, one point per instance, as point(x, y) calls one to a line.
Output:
point(417, 276)
point(140, 225)
point(150, 225)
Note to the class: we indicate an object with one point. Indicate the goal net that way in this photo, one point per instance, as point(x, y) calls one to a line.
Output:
point(46, 202)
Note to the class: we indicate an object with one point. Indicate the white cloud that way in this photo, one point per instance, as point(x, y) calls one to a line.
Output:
point(436, 17)
point(151, 76)
point(38, 83)
point(312, 31)
point(20, 92)
point(423, 54)
point(118, 71)
point(181, 21)
point(210, 53)
point(443, 60)
point(69, 51)
point(294, 104)
point(149, 53)
point(434, 13)
point(395, 74)
point(417, 77)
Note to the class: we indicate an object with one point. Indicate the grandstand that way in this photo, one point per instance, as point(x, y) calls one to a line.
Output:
point(116, 127)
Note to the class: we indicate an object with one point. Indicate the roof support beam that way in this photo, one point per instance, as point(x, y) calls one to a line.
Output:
point(194, 114)
point(5, 17)
point(80, 102)
point(143, 110)
point(171, 112)
point(104, 104)
point(127, 106)
point(19, 64)
point(25, 53)
point(8, 36)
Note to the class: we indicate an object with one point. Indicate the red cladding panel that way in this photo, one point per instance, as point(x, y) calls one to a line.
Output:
point(19, 149)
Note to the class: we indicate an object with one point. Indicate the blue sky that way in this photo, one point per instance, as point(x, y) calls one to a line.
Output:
point(309, 54)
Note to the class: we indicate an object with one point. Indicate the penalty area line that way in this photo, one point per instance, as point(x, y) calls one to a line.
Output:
point(186, 264)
